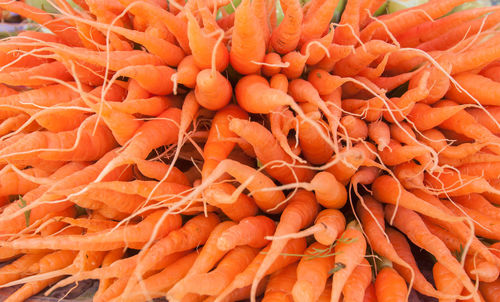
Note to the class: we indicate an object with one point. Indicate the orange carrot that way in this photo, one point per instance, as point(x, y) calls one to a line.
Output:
point(357, 283)
point(312, 273)
point(390, 286)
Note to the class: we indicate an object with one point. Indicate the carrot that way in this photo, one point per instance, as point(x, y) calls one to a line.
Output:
point(400, 244)
point(287, 256)
point(460, 32)
point(187, 72)
point(272, 64)
point(398, 23)
point(108, 260)
point(254, 133)
point(15, 270)
point(299, 213)
point(390, 286)
point(386, 189)
point(285, 38)
point(214, 282)
point(370, 293)
point(380, 133)
point(459, 229)
point(312, 273)
point(355, 128)
point(491, 73)
point(410, 223)
point(279, 287)
point(193, 233)
point(479, 269)
point(103, 241)
point(157, 284)
point(479, 203)
point(357, 283)
point(213, 91)
point(446, 281)
point(482, 117)
point(485, 225)
point(316, 22)
point(209, 256)
point(30, 289)
point(362, 57)
point(489, 290)
point(199, 42)
point(242, 207)
point(57, 25)
point(250, 231)
point(352, 159)
point(248, 41)
point(371, 214)
point(337, 52)
point(349, 252)
point(348, 29)
point(432, 29)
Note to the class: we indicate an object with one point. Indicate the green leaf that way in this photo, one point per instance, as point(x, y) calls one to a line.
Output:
point(27, 213)
point(337, 267)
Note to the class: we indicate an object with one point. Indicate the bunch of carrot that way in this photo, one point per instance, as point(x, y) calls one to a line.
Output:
point(180, 150)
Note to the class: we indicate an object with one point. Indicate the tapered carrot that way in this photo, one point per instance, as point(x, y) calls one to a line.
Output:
point(355, 128)
point(316, 22)
point(479, 203)
point(214, 282)
point(217, 148)
point(298, 214)
point(362, 57)
point(357, 283)
point(399, 22)
point(103, 241)
point(158, 284)
point(459, 229)
point(446, 281)
point(409, 222)
point(386, 189)
point(390, 286)
point(247, 38)
point(253, 133)
point(287, 256)
point(370, 293)
point(30, 289)
point(193, 233)
point(209, 256)
point(337, 52)
point(349, 253)
point(279, 287)
point(312, 273)
point(286, 36)
point(250, 231)
point(432, 29)
point(14, 270)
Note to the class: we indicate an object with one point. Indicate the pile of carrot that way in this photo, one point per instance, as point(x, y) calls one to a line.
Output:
point(202, 151)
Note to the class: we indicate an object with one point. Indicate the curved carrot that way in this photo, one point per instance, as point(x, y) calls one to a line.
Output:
point(410, 223)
